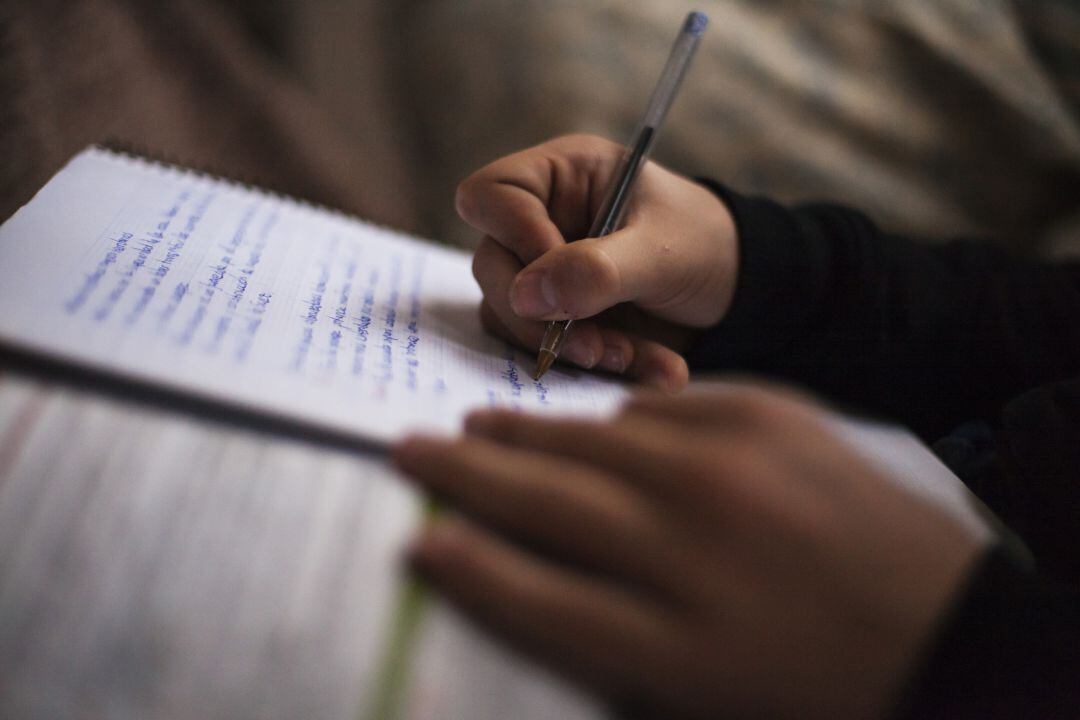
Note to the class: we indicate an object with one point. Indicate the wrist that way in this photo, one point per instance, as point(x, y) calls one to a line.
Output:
point(774, 293)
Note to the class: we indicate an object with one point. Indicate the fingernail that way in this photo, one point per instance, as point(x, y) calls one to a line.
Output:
point(577, 350)
point(613, 359)
point(533, 295)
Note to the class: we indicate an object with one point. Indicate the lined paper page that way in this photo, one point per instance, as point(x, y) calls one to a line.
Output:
point(158, 565)
point(236, 295)
point(155, 565)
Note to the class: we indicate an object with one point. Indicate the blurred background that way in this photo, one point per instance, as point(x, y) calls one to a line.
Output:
point(937, 118)
point(159, 565)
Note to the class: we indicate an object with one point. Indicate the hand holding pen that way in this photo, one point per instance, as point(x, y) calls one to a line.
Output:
point(621, 188)
point(635, 295)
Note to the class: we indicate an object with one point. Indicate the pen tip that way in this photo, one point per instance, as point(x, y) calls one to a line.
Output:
point(543, 363)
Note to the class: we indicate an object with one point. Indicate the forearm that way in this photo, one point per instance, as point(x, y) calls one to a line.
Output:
point(929, 336)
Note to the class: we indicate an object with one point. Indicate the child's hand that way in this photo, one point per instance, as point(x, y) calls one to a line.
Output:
point(670, 269)
point(702, 556)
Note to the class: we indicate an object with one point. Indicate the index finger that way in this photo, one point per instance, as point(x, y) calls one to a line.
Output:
point(508, 201)
point(536, 199)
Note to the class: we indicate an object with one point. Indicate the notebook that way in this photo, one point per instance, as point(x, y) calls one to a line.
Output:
point(164, 277)
point(172, 279)
point(161, 277)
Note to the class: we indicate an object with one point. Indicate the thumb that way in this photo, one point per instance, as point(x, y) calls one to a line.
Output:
point(583, 278)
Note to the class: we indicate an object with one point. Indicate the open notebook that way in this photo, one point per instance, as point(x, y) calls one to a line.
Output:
point(261, 576)
point(240, 297)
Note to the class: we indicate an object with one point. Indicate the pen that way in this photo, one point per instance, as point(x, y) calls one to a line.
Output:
point(615, 201)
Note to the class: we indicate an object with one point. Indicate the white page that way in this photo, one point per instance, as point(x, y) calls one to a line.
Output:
point(910, 465)
point(269, 534)
point(162, 566)
point(240, 296)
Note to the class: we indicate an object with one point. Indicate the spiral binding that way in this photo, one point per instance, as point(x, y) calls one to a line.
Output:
point(142, 153)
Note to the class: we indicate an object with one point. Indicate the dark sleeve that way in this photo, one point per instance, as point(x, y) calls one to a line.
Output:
point(1034, 483)
point(1010, 649)
point(929, 336)
point(1011, 646)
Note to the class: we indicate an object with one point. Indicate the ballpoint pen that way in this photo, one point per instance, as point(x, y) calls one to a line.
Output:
point(618, 194)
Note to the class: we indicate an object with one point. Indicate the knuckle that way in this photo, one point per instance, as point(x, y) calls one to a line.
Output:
point(586, 149)
point(480, 260)
point(781, 395)
point(587, 267)
point(783, 410)
point(720, 479)
point(466, 197)
point(587, 141)
point(753, 407)
point(488, 269)
point(793, 401)
point(578, 139)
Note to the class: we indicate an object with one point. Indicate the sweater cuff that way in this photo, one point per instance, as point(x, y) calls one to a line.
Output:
point(782, 273)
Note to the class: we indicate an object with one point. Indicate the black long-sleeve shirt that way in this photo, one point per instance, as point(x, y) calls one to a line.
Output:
point(959, 335)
